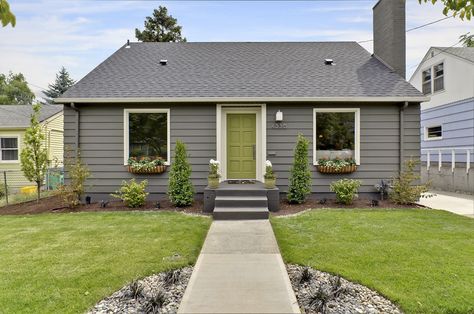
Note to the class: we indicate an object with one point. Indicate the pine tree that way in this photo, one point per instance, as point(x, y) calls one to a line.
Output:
point(34, 157)
point(300, 177)
point(180, 187)
point(61, 84)
point(161, 27)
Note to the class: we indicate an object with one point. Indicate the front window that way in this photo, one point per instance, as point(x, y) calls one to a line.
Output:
point(148, 134)
point(9, 149)
point(336, 134)
point(438, 77)
point(426, 82)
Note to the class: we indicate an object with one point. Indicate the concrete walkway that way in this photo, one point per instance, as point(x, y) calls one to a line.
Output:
point(239, 270)
point(460, 204)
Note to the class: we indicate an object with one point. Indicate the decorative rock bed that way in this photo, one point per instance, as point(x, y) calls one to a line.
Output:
point(160, 293)
point(320, 292)
point(316, 292)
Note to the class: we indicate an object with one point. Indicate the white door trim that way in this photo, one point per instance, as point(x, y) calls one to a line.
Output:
point(221, 135)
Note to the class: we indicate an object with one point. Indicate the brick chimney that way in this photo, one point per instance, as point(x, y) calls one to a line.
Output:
point(389, 34)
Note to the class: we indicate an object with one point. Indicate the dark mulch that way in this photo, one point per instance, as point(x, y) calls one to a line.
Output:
point(288, 209)
point(54, 204)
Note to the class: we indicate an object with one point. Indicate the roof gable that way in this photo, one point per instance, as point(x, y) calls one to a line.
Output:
point(18, 116)
point(240, 70)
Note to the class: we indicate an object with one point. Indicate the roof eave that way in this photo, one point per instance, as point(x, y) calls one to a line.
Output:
point(238, 99)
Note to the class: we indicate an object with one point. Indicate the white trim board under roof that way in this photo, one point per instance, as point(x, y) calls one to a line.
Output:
point(115, 100)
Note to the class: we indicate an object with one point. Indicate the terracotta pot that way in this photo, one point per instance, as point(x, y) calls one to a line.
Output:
point(270, 183)
point(154, 170)
point(213, 183)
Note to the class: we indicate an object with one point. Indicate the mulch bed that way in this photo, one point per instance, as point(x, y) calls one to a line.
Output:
point(290, 209)
point(54, 204)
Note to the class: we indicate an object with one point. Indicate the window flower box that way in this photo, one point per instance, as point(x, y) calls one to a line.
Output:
point(336, 166)
point(146, 165)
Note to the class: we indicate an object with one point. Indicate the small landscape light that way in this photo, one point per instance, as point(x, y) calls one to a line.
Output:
point(157, 205)
point(88, 200)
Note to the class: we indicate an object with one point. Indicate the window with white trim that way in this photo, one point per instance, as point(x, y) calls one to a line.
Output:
point(434, 132)
point(336, 134)
point(438, 82)
point(147, 134)
point(426, 82)
point(9, 148)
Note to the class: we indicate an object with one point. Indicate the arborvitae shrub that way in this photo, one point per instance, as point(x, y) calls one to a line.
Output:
point(180, 187)
point(300, 176)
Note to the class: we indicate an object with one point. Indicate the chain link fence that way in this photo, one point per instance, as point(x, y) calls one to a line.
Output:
point(14, 182)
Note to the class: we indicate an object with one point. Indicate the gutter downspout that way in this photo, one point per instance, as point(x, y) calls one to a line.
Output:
point(402, 134)
point(73, 106)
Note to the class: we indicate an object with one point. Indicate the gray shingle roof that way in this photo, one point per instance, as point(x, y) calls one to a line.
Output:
point(462, 52)
point(265, 69)
point(18, 116)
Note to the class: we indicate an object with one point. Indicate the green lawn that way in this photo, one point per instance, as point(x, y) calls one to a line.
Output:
point(65, 263)
point(421, 259)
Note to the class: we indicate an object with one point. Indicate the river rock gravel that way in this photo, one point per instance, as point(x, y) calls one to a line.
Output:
point(172, 292)
point(343, 298)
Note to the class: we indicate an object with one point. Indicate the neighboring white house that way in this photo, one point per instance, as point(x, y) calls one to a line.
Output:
point(447, 120)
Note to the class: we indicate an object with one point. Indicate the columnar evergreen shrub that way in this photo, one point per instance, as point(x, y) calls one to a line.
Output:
point(403, 190)
point(346, 190)
point(300, 177)
point(132, 193)
point(180, 187)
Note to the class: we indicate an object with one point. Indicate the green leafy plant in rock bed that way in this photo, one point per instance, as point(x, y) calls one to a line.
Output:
point(132, 193)
point(346, 190)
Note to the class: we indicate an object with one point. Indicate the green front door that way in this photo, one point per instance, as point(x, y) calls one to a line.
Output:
point(241, 145)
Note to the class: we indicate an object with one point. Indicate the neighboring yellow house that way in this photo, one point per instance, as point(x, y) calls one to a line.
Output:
point(14, 119)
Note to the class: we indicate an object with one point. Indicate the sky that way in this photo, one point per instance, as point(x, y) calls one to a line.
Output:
point(80, 34)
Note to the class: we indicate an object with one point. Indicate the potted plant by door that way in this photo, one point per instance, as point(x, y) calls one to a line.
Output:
point(213, 177)
point(270, 177)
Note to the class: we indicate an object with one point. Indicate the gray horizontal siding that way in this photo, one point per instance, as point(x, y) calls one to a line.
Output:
point(101, 142)
point(457, 121)
point(379, 147)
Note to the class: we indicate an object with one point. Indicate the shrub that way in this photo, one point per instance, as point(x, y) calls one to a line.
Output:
point(132, 193)
point(346, 190)
point(78, 174)
point(180, 187)
point(403, 190)
point(300, 176)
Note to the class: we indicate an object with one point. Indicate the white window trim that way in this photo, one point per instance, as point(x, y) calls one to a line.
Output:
point(356, 112)
point(126, 130)
point(17, 136)
point(221, 135)
point(433, 92)
point(425, 133)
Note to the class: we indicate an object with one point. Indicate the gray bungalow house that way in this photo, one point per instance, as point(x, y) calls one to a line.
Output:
point(245, 102)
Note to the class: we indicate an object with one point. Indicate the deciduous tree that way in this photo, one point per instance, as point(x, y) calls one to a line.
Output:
point(34, 157)
point(6, 15)
point(14, 90)
point(461, 8)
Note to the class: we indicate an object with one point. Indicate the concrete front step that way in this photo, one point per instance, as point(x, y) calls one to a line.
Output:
point(241, 192)
point(240, 213)
point(241, 201)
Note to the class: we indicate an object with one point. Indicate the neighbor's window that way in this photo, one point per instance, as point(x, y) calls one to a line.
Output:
point(434, 132)
point(336, 134)
point(147, 133)
point(9, 149)
point(438, 71)
point(426, 82)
